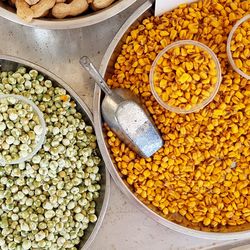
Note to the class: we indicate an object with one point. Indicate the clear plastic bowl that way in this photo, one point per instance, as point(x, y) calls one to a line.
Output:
point(199, 105)
point(40, 139)
point(229, 53)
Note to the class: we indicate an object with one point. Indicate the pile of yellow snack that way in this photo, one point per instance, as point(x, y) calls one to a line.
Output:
point(185, 76)
point(30, 9)
point(201, 177)
point(240, 47)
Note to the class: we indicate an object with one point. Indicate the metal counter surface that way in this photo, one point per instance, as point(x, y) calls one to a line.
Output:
point(124, 226)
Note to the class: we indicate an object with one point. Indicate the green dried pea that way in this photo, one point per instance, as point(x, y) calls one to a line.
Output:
point(46, 193)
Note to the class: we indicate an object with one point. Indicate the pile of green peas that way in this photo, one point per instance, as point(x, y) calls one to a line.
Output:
point(49, 201)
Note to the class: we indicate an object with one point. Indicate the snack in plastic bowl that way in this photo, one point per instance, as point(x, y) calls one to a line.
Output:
point(238, 47)
point(185, 76)
point(22, 129)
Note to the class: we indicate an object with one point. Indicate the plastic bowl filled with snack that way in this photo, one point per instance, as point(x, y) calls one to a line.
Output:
point(238, 47)
point(61, 14)
point(185, 76)
point(22, 128)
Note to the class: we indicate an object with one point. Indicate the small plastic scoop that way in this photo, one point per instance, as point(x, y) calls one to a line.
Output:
point(122, 111)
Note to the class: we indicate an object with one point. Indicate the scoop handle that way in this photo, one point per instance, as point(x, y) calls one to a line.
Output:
point(88, 66)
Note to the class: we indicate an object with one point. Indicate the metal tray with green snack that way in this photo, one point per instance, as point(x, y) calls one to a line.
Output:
point(57, 199)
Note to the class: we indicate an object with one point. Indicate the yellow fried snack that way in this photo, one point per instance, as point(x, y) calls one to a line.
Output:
point(185, 76)
point(240, 47)
point(201, 177)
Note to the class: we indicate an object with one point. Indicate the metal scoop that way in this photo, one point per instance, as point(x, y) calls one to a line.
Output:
point(122, 111)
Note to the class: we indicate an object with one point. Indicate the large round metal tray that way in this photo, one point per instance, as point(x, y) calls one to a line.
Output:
point(67, 23)
point(9, 63)
point(106, 69)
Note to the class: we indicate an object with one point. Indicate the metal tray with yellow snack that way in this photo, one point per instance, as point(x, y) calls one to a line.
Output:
point(199, 182)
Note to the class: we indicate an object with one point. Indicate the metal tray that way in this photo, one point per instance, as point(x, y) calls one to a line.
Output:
point(83, 20)
point(9, 63)
point(106, 69)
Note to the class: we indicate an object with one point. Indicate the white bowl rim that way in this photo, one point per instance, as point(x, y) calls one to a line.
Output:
point(70, 23)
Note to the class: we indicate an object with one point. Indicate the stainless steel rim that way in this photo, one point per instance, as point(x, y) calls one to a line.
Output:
point(88, 113)
point(70, 23)
point(105, 152)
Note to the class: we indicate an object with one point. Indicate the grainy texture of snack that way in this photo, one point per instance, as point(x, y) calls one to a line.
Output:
point(49, 201)
point(185, 76)
point(201, 177)
point(20, 129)
point(240, 47)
